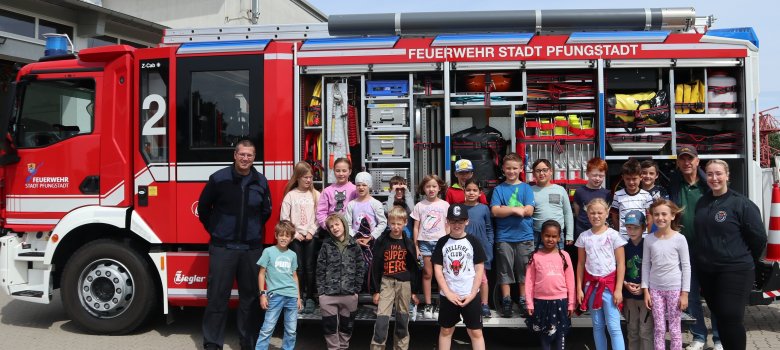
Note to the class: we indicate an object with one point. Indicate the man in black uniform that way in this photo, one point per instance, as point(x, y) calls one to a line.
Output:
point(233, 208)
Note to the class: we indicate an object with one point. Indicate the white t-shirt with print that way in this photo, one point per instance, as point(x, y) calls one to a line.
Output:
point(600, 251)
point(432, 217)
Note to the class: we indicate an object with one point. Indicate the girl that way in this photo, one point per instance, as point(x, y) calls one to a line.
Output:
point(366, 218)
point(429, 225)
point(480, 226)
point(299, 206)
point(600, 268)
point(666, 273)
point(335, 197)
point(549, 286)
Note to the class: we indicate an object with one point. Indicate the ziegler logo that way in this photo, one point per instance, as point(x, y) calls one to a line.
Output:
point(180, 278)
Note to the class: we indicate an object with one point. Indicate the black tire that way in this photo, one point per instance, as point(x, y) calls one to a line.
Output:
point(107, 288)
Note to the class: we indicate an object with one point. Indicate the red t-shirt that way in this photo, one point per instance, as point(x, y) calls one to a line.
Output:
point(457, 195)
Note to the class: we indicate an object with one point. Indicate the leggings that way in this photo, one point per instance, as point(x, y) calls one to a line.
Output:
point(306, 252)
point(555, 343)
point(727, 293)
point(666, 308)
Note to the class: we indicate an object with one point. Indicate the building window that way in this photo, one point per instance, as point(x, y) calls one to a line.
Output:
point(46, 27)
point(102, 40)
point(17, 24)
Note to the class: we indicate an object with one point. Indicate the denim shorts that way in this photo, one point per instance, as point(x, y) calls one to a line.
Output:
point(426, 247)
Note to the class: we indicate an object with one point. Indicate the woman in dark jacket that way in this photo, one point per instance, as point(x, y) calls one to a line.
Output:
point(729, 238)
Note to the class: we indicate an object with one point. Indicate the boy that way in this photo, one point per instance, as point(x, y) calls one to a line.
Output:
point(464, 170)
point(512, 205)
point(596, 171)
point(340, 268)
point(366, 217)
point(649, 176)
point(400, 195)
point(552, 203)
point(277, 266)
point(395, 278)
point(639, 320)
point(632, 197)
point(458, 265)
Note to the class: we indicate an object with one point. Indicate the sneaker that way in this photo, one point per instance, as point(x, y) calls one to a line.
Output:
point(486, 311)
point(428, 311)
point(308, 307)
point(506, 307)
point(436, 312)
point(523, 308)
point(718, 346)
point(698, 345)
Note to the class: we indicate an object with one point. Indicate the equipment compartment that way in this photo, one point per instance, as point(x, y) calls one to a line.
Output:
point(388, 146)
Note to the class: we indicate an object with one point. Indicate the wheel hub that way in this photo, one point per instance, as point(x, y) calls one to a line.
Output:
point(106, 288)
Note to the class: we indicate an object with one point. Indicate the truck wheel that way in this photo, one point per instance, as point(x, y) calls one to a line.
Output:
point(107, 288)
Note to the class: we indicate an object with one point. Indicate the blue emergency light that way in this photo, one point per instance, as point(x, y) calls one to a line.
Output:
point(56, 44)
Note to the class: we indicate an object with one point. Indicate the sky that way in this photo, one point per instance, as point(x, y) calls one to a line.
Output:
point(729, 14)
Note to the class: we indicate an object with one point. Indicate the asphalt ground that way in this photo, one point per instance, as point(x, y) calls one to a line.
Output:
point(26, 325)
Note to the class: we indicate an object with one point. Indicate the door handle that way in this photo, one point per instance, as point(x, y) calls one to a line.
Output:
point(90, 185)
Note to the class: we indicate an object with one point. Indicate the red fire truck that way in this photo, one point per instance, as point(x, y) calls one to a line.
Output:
point(107, 150)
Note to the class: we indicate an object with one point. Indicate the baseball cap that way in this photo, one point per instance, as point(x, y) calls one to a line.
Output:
point(458, 212)
point(463, 165)
point(635, 217)
point(687, 149)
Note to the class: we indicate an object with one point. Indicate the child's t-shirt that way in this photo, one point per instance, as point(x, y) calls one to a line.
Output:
point(299, 207)
point(625, 203)
point(668, 266)
point(481, 226)
point(583, 196)
point(513, 228)
point(600, 251)
point(457, 195)
point(334, 199)
point(658, 192)
point(546, 279)
point(552, 203)
point(633, 266)
point(373, 213)
point(432, 217)
point(279, 267)
point(458, 258)
point(395, 260)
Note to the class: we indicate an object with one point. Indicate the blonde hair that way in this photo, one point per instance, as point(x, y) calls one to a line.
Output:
point(596, 201)
point(718, 162)
point(334, 217)
point(397, 213)
point(300, 170)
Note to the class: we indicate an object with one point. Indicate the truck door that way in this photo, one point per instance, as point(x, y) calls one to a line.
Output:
point(155, 132)
point(219, 101)
point(57, 136)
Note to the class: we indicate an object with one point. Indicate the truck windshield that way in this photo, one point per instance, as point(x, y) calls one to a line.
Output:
point(54, 110)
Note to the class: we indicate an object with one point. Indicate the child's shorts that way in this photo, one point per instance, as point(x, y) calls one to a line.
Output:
point(426, 247)
point(512, 259)
point(450, 314)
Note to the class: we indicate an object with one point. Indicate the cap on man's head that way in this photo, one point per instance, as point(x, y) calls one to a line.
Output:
point(687, 149)
point(364, 178)
point(458, 212)
point(463, 165)
point(636, 218)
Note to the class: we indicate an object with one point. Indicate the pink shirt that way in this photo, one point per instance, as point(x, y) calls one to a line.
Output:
point(545, 278)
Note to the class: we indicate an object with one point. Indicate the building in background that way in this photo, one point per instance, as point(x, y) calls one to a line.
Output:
point(138, 23)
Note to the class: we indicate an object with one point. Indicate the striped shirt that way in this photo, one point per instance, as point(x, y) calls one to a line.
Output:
point(625, 202)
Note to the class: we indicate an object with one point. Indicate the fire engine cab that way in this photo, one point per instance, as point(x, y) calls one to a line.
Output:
point(107, 150)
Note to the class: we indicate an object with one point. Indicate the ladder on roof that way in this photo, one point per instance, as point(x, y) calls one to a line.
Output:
point(250, 32)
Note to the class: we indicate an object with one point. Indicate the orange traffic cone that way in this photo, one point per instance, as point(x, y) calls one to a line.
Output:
point(773, 243)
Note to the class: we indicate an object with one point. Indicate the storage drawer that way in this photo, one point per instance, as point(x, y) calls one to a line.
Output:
point(388, 146)
point(382, 178)
point(387, 114)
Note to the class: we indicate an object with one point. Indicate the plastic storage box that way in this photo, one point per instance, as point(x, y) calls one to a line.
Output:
point(382, 178)
point(387, 114)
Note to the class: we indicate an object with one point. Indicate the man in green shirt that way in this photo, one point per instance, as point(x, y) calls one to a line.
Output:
point(687, 185)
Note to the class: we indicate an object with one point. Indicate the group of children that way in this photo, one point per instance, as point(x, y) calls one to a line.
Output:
point(346, 242)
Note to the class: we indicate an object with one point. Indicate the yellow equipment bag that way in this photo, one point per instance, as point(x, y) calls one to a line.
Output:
point(689, 97)
point(638, 109)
